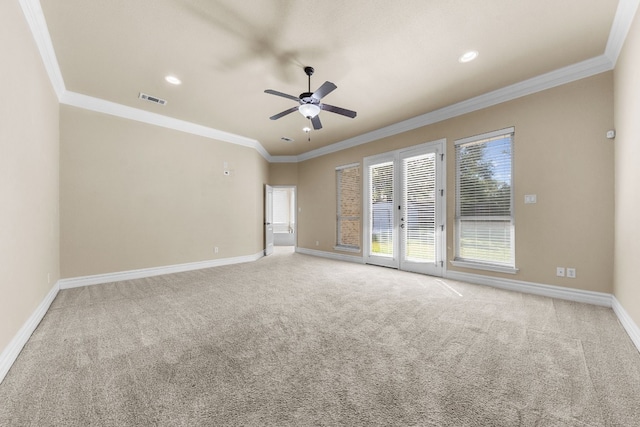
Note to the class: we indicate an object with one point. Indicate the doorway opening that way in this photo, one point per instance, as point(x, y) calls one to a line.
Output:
point(284, 216)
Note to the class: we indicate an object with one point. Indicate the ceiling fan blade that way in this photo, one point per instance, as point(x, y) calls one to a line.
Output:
point(316, 122)
point(284, 113)
point(324, 90)
point(284, 95)
point(338, 110)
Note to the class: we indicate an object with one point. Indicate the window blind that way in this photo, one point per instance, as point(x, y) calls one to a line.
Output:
point(419, 212)
point(382, 201)
point(484, 199)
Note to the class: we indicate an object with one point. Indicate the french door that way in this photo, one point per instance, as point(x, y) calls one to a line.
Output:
point(404, 206)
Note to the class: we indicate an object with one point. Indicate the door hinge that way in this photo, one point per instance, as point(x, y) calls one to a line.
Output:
point(442, 157)
point(442, 228)
point(441, 263)
point(442, 192)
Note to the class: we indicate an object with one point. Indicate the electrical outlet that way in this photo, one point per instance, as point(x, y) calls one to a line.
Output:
point(215, 250)
point(560, 271)
point(317, 243)
point(571, 273)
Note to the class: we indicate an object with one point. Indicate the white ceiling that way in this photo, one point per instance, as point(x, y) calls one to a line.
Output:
point(391, 60)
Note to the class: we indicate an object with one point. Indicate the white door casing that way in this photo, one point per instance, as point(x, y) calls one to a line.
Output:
point(268, 220)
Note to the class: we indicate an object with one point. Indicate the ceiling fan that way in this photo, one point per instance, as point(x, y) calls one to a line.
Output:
point(310, 104)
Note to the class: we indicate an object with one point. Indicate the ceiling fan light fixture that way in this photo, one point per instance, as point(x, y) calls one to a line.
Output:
point(309, 110)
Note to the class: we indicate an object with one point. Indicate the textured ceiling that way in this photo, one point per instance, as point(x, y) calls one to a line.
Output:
point(390, 60)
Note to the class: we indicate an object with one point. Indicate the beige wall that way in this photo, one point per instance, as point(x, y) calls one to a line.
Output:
point(627, 179)
point(283, 173)
point(560, 154)
point(134, 196)
point(29, 175)
point(137, 196)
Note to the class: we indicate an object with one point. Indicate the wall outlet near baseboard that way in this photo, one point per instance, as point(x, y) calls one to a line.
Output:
point(560, 271)
point(571, 273)
point(215, 250)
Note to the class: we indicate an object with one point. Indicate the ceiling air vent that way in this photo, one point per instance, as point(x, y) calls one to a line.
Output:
point(286, 139)
point(153, 99)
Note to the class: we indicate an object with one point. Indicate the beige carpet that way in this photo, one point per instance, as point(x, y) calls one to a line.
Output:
point(293, 340)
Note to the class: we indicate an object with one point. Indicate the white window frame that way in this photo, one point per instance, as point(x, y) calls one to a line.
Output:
point(339, 246)
point(478, 264)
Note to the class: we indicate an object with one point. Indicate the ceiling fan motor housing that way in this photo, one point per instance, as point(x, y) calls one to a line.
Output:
point(309, 102)
point(306, 98)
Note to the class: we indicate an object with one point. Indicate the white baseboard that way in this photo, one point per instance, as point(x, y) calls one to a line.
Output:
point(76, 282)
point(570, 294)
point(13, 349)
point(11, 352)
point(577, 295)
point(627, 322)
point(330, 255)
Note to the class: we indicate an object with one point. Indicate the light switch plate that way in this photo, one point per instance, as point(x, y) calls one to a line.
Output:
point(530, 198)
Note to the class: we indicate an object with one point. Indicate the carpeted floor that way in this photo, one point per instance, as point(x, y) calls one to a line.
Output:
point(294, 340)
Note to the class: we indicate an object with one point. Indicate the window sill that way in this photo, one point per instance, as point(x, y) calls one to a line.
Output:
point(487, 267)
point(346, 249)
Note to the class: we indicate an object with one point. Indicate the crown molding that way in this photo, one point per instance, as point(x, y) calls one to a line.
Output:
point(107, 107)
point(620, 28)
point(622, 22)
point(35, 19)
point(564, 75)
point(283, 159)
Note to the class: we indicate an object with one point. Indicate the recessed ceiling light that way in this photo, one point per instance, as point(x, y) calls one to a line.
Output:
point(307, 130)
point(468, 56)
point(173, 80)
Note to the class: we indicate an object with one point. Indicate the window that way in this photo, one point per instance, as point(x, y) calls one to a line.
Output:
point(348, 207)
point(484, 202)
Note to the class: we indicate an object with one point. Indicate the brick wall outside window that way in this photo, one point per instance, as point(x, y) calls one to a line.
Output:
point(348, 206)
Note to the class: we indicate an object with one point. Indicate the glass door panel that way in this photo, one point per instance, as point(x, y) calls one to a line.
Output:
point(381, 204)
point(419, 212)
point(404, 207)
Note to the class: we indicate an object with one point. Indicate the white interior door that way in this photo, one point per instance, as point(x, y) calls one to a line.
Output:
point(268, 220)
point(404, 209)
